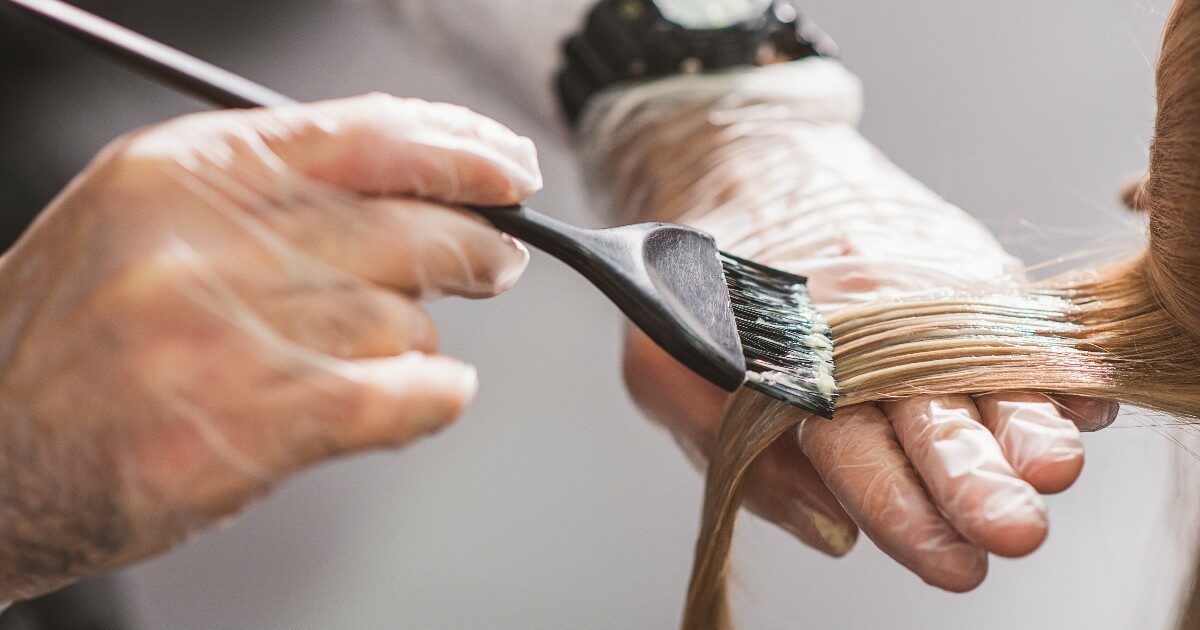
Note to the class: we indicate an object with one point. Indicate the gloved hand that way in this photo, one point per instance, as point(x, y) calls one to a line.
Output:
point(769, 161)
point(226, 298)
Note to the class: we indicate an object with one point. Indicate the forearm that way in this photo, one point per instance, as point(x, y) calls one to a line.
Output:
point(784, 177)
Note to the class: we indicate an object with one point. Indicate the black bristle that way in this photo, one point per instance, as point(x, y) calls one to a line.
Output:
point(787, 344)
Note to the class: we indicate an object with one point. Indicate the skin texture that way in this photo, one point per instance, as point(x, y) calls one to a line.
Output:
point(222, 300)
point(936, 482)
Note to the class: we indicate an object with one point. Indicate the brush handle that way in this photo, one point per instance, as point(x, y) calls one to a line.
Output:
point(611, 259)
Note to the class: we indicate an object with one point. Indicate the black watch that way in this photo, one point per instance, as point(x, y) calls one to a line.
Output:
point(627, 40)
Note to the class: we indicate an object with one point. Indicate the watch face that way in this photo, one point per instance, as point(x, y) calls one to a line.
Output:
point(710, 14)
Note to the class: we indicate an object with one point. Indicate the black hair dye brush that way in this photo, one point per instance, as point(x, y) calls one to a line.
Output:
point(730, 320)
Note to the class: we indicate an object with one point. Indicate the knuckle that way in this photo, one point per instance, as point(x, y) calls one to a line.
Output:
point(126, 167)
point(422, 332)
point(386, 108)
point(380, 99)
point(449, 113)
point(941, 428)
point(855, 432)
point(355, 305)
point(143, 283)
point(395, 325)
point(379, 105)
point(143, 161)
point(348, 404)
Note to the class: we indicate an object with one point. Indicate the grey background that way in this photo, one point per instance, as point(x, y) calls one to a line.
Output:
point(552, 504)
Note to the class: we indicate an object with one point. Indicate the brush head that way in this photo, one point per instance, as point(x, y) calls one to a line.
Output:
point(733, 321)
point(787, 345)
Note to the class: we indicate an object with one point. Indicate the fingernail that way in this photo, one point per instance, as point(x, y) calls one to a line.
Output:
point(1090, 414)
point(1109, 415)
point(516, 245)
point(835, 534)
point(509, 276)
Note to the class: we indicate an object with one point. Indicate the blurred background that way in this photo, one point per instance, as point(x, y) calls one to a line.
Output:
point(552, 504)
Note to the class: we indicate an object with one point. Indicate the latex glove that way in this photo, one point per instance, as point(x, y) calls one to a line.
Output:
point(224, 299)
point(770, 162)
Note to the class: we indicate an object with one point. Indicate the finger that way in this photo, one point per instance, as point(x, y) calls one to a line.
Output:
point(966, 473)
point(315, 306)
point(1089, 414)
point(384, 145)
point(1044, 448)
point(406, 397)
point(418, 247)
point(783, 487)
point(859, 459)
point(313, 410)
point(282, 410)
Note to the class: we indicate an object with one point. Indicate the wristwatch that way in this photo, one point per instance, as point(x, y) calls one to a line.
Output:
point(630, 40)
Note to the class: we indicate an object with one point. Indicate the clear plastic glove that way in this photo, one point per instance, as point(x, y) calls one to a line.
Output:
point(226, 298)
point(770, 162)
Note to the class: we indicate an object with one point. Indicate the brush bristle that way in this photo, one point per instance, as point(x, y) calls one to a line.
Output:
point(787, 344)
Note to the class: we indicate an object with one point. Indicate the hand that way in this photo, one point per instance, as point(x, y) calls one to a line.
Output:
point(936, 482)
point(224, 299)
